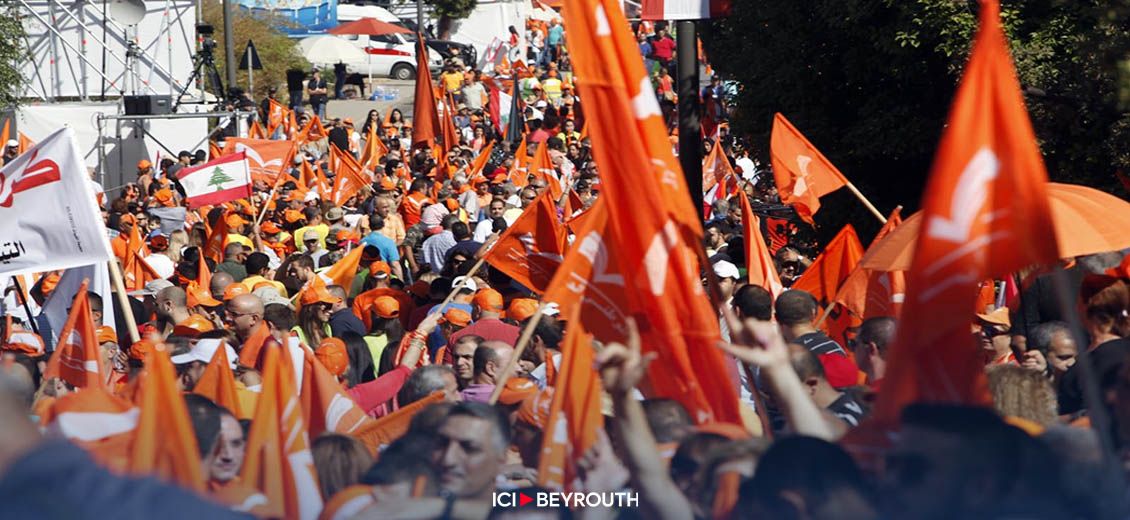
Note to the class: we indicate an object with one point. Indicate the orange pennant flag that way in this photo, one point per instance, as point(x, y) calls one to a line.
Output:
point(25, 143)
point(349, 179)
point(867, 293)
point(345, 270)
point(531, 249)
point(447, 125)
point(276, 116)
point(203, 276)
point(278, 462)
point(760, 268)
point(268, 160)
point(828, 271)
point(217, 383)
point(217, 240)
point(574, 413)
point(325, 404)
point(6, 132)
point(374, 149)
point(135, 270)
point(214, 151)
point(291, 126)
point(392, 426)
point(542, 168)
point(256, 131)
point(313, 131)
point(480, 162)
point(251, 350)
point(802, 173)
point(985, 214)
point(98, 422)
point(653, 221)
point(519, 174)
point(424, 113)
point(165, 443)
point(78, 357)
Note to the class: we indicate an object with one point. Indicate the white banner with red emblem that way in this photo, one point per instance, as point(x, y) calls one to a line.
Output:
point(48, 215)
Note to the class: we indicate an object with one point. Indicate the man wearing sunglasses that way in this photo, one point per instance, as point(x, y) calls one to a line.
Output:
point(991, 330)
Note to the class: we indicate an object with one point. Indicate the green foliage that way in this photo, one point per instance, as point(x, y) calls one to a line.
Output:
point(277, 52)
point(870, 83)
point(12, 54)
point(456, 9)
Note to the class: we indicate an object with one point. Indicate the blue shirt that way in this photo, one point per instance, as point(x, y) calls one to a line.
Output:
point(556, 33)
point(384, 244)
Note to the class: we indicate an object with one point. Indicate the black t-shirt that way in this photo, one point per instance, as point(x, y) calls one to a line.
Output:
point(313, 84)
point(339, 137)
point(848, 409)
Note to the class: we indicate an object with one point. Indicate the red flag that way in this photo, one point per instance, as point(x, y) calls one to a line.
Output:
point(823, 278)
point(78, 357)
point(165, 444)
point(760, 268)
point(802, 173)
point(867, 293)
point(985, 214)
point(653, 221)
point(279, 463)
point(531, 250)
point(424, 113)
point(574, 413)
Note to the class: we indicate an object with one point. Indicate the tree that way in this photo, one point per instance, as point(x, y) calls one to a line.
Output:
point(276, 50)
point(448, 12)
point(870, 83)
point(12, 55)
point(219, 178)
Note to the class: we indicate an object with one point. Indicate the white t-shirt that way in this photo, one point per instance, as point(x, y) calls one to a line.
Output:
point(483, 229)
point(162, 264)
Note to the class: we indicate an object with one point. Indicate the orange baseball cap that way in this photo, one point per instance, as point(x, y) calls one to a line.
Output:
point(380, 269)
point(387, 307)
point(193, 326)
point(107, 335)
point(488, 299)
point(234, 220)
point(534, 410)
point(387, 184)
point(521, 308)
point(24, 341)
point(318, 294)
point(235, 289)
point(458, 317)
point(144, 163)
point(164, 196)
point(198, 295)
point(270, 228)
point(127, 218)
point(517, 389)
point(332, 354)
point(141, 349)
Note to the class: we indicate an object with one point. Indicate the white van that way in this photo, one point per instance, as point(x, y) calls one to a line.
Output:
point(392, 55)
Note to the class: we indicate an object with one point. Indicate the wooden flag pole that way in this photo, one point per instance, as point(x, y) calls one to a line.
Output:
point(123, 300)
point(519, 348)
point(866, 202)
point(456, 288)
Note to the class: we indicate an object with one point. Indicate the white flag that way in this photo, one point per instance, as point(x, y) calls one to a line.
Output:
point(48, 215)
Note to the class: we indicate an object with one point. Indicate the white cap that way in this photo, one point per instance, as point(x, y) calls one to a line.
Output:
point(203, 351)
point(153, 287)
point(724, 269)
point(13, 143)
point(551, 309)
point(310, 196)
point(468, 284)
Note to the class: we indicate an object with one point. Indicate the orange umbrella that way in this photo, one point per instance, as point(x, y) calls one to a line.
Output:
point(1087, 221)
point(368, 26)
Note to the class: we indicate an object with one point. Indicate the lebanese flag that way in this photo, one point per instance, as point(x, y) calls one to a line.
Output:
point(218, 181)
point(684, 9)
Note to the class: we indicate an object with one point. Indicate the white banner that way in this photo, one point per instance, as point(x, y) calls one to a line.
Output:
point(56, 307)
point(48, 215)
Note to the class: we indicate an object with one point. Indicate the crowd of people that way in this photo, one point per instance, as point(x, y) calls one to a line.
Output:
point(429, 339)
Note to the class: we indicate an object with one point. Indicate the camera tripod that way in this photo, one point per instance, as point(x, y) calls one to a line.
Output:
point(203, 64)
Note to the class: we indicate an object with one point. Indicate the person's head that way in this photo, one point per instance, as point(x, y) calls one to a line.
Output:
point(172, 303)
point(233, 252)
point(805, 477)
point(461, 231)
point(473, 441)
point(317, 74)
point(753, 301)
point(301, 268)
point(875, 336)
point(991, 330)
point(808, 369)
point(497, 208)
point(463, 358)
point(528, 195)
point(728, 277)
point(398, 469)
point(340, 461)
point(425, 380)
point(1054, 340)
point(312, 240)
point(490, 358)
point(220, 281)
point(243, 313)
point(714, 236)
point(219, 437)
point(1105, 304)
point(384, 206)
point(338, 292)
point(1024, 393)
point(257, 264)
point(795, 308)
point(668, 420)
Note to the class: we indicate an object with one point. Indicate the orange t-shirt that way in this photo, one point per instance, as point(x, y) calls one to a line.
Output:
point(412, 208)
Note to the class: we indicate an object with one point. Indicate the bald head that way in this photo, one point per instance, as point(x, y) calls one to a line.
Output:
point(490, 359)
point(244, 313)
point(220, 281)
point(246, 304)
point(172, 304)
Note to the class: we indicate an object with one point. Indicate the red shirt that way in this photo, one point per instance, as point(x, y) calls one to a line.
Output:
point(663, 48)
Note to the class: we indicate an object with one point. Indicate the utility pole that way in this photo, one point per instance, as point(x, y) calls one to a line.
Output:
point(229, 49)
point(690, 127)
point(420, 16)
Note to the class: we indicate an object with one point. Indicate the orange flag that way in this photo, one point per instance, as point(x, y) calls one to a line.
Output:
point(214, 150)
point(574, 413)
point(531, 250)
point(6, 132)
point(802, 173)
point(165, 444)
point(985, 214)
point(276, 116)
point(25, 143)
point(716, 169)
point(349, 179)
point(374, 149)
point(542, 168)
point(78, 357)
point(278, 462)
point(313, 131)
point(217, 240)
point(291, 126)
point(256, 131)
point(653, 221)
point(96, 421)
point(822, 279)
point(325, 404)
point(589, 278)
point(867, 293)
point(344, 270)
point(760, 268)
point(203, 276)
point(519, 174)
point(217, 383)
point(480, 162)
point(135, 270)
point(267, 159)
point(249, 352)
point(424, 113)
point(392, 426)
point(447, 126)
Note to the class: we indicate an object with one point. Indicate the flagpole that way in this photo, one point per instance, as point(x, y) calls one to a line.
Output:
point(456, 288)
point(23, 298)
point(866, 202)
point(123, 300)
point(519, 348)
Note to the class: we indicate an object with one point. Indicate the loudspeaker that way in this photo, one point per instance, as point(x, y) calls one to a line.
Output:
point(147, 105)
